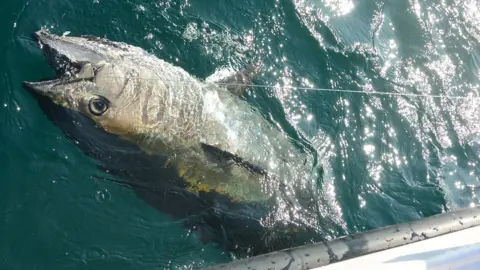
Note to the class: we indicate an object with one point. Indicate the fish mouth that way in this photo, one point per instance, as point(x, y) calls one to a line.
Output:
point(61, 53)
point(67, 55)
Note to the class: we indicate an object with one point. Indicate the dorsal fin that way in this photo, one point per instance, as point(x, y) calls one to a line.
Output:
point(236, 82)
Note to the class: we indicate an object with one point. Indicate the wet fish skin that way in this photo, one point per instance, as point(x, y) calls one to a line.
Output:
point(162, 108)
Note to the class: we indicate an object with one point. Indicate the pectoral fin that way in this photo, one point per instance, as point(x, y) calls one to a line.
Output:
point(236, 82)
point(224, 173)
point(220, 156)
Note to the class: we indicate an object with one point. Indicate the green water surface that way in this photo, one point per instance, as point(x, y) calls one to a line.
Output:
point(388, 159)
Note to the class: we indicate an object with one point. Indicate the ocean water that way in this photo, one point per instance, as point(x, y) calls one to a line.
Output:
point(409, 150)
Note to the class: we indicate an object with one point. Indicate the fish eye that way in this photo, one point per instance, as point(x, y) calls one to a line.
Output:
point(98, 106)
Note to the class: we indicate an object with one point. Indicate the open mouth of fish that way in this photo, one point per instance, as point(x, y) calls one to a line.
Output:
point(64, 73)
point(68, 57)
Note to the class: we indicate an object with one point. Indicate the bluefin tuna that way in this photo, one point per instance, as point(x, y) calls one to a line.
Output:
point(213, 138)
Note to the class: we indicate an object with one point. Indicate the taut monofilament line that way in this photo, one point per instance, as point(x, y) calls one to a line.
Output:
point(473, 98)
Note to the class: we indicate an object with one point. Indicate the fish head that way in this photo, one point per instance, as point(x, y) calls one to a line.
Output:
point(91, 79)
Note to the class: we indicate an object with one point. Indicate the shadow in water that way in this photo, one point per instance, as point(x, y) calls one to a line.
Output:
point(234, 226)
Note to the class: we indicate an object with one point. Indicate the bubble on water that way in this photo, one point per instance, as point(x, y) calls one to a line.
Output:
point(94, 253)
point(159, 45)
point(102, 195)
point(191, 32)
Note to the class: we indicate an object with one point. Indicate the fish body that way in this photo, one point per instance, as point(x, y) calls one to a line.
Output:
point(215, 140)
point(203, 128)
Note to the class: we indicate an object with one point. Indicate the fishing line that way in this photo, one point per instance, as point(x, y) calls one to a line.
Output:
point(351, 91)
